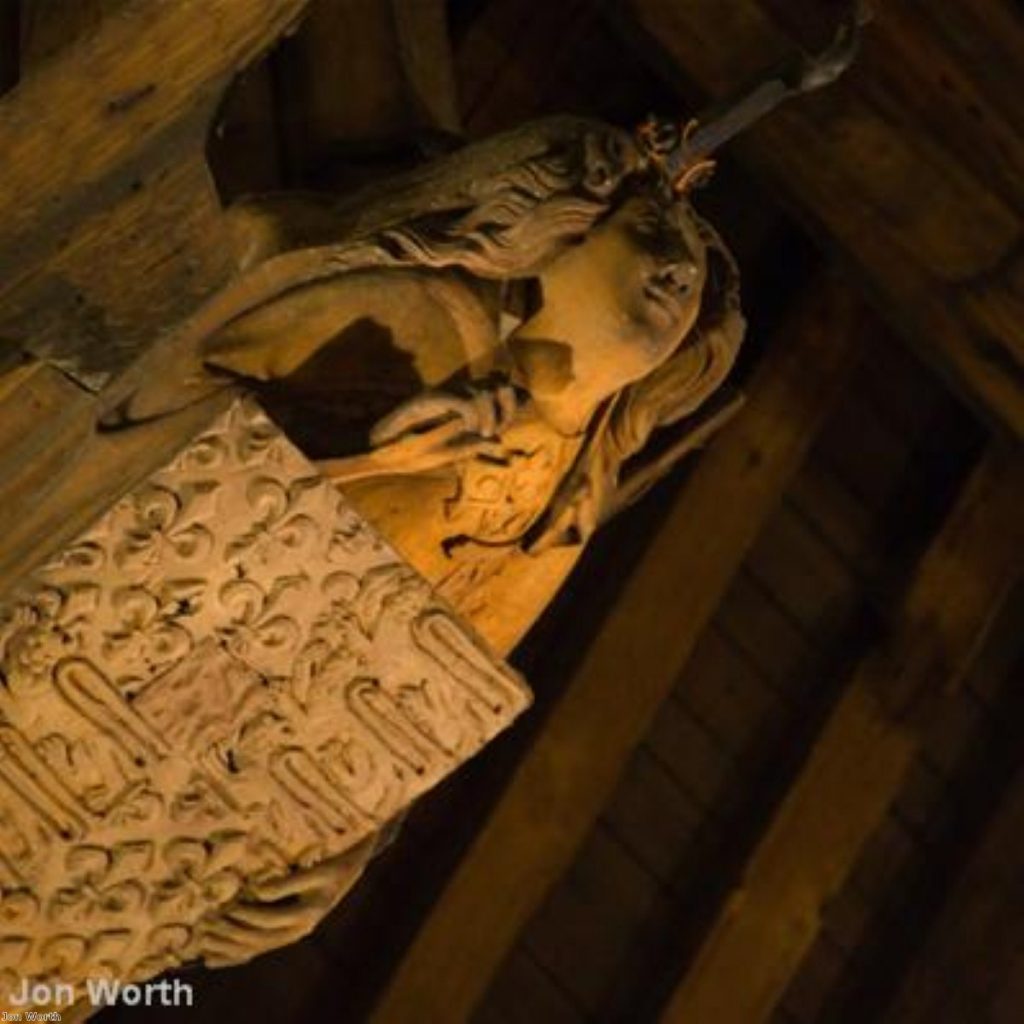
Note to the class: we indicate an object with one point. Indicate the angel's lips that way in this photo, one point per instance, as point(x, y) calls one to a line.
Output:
point(668, 300)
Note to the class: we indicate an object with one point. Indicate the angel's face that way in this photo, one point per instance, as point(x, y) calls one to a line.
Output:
point(627, 294)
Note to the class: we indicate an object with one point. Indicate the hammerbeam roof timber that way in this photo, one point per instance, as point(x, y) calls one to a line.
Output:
point(93, 142)
point(979, 933)
point(859, 760)
point(936, 244)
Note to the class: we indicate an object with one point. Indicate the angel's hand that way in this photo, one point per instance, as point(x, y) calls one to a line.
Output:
point(431, 431)
point(277, 913)
point(480, 415)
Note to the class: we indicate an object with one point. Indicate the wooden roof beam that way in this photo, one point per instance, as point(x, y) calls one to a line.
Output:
point(365, 73)
point(109, 223)
point(82, 116)
point(858, 762)
point(974, 946)
point(937, 247)
point(564, 780)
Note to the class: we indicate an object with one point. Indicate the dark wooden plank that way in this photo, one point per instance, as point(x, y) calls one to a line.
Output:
point(885, 855)
point(244, 147)
point(360, 78)
point(523, 993)
point(697, 762)
point(901, 388)
point(769, 639)
point(49, 26)
point(988, 678)
point(864, 451)
point(952, 728)
point(804, 575)
point(847, 917)
point(94, 107)
point(819, 972)
point(653, 817)
point(125, 272)
point(931, 67)
point(945, 839)
point(584, 932)
point(507, 57)
point(100, 134)
point(10, 33)
point(278, 993)
point(934, 243)
point(860, 758)
point(923, 799)
point(727, 695)
point(560, 786)
point(976, 942)
point(838, 516)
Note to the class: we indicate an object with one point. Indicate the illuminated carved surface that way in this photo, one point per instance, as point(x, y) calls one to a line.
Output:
point(229, 677)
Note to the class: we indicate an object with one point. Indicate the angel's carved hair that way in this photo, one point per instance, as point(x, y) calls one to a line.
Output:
point(698, 366)
point(502, 209)
point(532, 213)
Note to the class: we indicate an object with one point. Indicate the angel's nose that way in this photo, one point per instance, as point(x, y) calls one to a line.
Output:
point(680, 274)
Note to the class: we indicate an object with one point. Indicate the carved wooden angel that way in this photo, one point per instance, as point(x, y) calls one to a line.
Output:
point(478, 354)
point(482, 352)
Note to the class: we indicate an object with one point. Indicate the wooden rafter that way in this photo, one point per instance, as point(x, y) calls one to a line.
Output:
point(109, 219)
point(360, 73)
point(975, 944)
point(938, 246)
point(860, 757)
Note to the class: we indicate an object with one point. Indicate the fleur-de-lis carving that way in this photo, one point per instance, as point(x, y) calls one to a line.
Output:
point(141, 805)
point(149, 636)
point(279, 530)
point(168, 947)
point(62, 954)
point(199, 801)
point(167, 524)
point(18, 909)
point(98, 774)
point(207, 452)
point(85, 556)
point(203, 874)
point(256, 438)
point(102, 882)
point(106, 953)
point(259, 625)
point(351, 536)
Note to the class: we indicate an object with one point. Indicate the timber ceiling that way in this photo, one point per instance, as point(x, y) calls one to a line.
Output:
point(774, 772)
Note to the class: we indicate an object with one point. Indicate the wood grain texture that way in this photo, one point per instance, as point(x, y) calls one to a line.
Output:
point(936, 245)
point(560, 786)
point(859, 760)
point(364, 77)
point(83, 115)
point(107, 203)
point(973, 950)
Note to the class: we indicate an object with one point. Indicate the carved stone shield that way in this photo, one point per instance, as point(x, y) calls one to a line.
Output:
point(228, 677)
